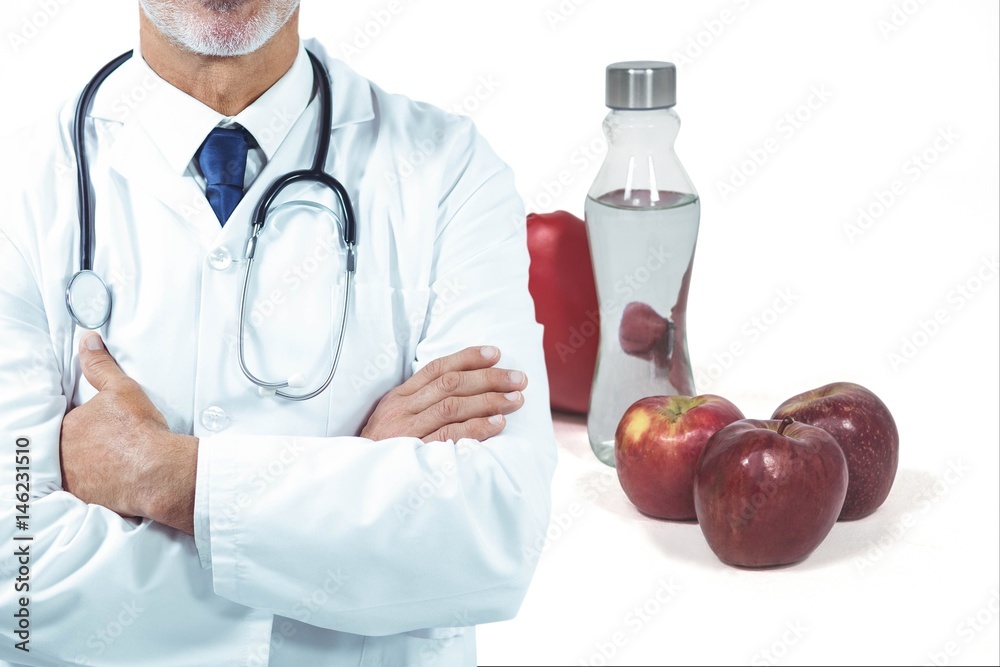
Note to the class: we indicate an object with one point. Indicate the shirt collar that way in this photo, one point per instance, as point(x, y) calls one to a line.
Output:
point(272, 115)
point(177, 123)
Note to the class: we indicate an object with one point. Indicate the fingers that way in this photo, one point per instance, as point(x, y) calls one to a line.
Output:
point(97, 364)
point(456, 410)
point(471, 358)
point(479, 429)
point(467, 383)
point(461, 395)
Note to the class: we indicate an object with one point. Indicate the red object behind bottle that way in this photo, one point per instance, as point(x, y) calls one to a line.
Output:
point(561, 281)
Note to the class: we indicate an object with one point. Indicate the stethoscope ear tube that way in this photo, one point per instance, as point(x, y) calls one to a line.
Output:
point(275, 388)
point(266, 205)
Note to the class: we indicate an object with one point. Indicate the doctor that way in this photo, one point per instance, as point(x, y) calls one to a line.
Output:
point(179, 516)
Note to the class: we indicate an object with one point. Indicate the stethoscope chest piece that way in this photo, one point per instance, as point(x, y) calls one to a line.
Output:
point(88, 300)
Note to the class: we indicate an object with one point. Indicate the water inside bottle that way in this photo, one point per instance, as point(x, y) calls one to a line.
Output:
point(642, 244)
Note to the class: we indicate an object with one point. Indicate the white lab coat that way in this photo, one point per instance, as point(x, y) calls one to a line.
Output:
point(316, 547)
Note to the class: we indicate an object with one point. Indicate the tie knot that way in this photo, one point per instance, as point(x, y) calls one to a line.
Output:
point(223, 156)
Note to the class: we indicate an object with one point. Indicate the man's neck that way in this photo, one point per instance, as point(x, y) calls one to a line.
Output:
point(227, 84)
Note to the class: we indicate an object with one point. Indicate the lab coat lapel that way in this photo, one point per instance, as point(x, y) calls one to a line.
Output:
point(135, 157)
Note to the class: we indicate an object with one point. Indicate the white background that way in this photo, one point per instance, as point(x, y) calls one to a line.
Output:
point(896, 587)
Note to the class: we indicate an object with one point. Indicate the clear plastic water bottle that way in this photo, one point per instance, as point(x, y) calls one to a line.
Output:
point(642, 217)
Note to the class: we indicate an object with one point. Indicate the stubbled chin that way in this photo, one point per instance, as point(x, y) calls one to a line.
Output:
point(226, 35)
point(225, 31)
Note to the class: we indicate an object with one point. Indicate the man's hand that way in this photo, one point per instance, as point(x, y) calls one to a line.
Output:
point(117, 450)
point(458, 396)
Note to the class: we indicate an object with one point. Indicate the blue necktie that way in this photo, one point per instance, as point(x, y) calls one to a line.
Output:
point(223, 162)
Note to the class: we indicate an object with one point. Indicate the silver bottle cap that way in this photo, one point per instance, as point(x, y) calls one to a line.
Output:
point(641, 84)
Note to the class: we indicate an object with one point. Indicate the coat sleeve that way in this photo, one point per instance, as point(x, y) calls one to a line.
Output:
point(95, 588)
point(401, 535)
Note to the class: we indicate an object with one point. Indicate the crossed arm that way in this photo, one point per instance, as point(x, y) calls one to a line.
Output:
point(117, 450)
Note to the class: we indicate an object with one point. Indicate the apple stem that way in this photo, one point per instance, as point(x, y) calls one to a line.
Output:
point(784, 424)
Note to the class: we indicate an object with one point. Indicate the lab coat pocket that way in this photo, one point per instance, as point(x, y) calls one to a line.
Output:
point(379, 342)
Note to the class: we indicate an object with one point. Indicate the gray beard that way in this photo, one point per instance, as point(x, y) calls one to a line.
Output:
point(220, 36)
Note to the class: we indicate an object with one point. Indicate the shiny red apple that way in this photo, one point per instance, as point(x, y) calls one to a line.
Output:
point(657, 445)
point(864, 428)
point(767, 492)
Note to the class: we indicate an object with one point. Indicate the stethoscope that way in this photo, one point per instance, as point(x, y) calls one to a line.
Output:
point(88, 297)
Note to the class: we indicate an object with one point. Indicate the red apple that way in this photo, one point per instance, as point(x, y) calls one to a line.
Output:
point(657, 445)
point(864, 428)
point(767, 492)
point(643, 333)
point(561, 282)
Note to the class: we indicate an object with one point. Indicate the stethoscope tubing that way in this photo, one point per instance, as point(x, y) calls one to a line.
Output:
point(317, 174)
point(85, 208)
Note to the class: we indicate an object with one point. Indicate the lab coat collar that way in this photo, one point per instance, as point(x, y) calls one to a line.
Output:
point(351, 93)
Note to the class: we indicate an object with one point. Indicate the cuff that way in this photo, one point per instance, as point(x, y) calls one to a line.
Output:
point(202, 531)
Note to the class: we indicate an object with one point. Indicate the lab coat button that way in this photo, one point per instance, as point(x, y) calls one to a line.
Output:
point(220, 258)
point(214, 418)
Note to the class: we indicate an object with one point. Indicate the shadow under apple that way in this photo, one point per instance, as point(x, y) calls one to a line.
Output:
point(854, 539)
point(679, 539)
point(847, 540)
